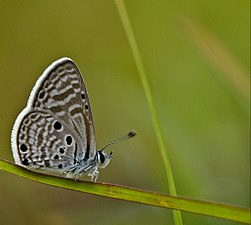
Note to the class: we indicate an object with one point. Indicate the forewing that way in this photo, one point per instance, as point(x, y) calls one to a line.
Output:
point(61, 91)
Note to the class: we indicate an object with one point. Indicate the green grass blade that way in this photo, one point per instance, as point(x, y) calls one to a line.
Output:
point(134, 47)
point(214, 209)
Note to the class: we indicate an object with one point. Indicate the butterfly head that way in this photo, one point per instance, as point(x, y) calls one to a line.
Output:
point(103, 159)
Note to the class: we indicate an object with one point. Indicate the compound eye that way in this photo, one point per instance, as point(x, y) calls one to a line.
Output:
point(101, 157)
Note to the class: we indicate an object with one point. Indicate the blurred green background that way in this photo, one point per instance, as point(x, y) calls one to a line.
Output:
point(204, 117)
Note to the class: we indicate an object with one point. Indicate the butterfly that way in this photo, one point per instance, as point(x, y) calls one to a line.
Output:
point(55, 132)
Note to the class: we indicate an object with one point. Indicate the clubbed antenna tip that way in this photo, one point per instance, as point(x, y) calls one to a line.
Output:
point(132, 133)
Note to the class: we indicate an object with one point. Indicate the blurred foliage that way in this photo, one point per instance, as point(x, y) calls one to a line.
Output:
point(203, 115)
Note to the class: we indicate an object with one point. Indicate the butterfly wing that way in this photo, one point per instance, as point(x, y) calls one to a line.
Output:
point(61, 93)
point(45, 142)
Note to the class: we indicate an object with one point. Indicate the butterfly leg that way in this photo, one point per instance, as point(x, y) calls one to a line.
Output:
point(77, 176)
point(94, 174)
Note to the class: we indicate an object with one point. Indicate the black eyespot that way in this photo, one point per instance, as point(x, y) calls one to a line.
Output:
point(101, 157)
point(21, 136)
point(41, 95)
point(23, 147)
point(60, 166)
point(61, 150)
point(68, 140)
point(56, 157)
point(26, 122)
point(33, 116)
point(25, 162)
point(57, 125)
point(86, 107)
point(47, 163)
point(83, 96)
point(46, 84)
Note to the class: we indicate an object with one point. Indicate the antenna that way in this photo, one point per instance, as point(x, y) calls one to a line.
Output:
point(132, 133)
